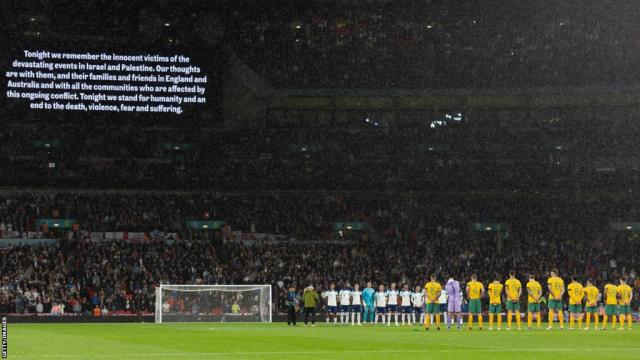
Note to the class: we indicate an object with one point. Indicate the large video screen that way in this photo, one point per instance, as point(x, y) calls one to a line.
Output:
point(112, 61)
point(55, 80)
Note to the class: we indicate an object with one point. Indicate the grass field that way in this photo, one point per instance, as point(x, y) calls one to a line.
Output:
point(278, 341)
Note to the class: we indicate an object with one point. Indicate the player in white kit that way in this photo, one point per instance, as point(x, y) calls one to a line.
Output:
point(405, 305)
point(331, 297)
point(392, 304)
point(381, 303)
point(442, 300)
point(417, 301)
point(356, 304)
point(345, 304)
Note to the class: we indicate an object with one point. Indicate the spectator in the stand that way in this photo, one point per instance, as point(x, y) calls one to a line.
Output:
point(86, 307)
point(235, 308)
point(77, 307)
point(55, 309)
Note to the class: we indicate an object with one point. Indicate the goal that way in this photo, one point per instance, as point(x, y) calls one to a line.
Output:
point(219, 303)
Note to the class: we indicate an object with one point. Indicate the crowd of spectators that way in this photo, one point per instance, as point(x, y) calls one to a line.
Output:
point(437, 43)
point(411, 236)
point(310, 215)
point(301, 216)
point(119, 276)
point(378, 43)
point(113, 153)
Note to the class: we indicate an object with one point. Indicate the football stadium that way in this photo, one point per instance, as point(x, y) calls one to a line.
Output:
point(354, 179)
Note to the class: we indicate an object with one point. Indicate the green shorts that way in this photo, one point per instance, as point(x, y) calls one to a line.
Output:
point(555, 304)
point(625, 309)
point(591, 309)
point(611, 309)
point(533, 307)
point(433, 308)
point(575, 308)
point(513, 305)
point(475, 306)
point(495, 308)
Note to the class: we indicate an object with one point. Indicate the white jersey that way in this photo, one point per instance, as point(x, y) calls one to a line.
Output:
point(332, 297)
point(356, 294)
point(393, 297)
point(443, 297)
point(406, 297)
point(417, 299)
point(345, 297)
point(381, 299)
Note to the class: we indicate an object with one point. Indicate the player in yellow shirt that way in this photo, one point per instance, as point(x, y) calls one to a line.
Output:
point(534, 291)
point(495, 302)
point(432, 294)
point(591, 305)
point(610, 305)
point(576, 294)
point(513, 289)
point(475, 290)
point(555, 285)
point(625, 293)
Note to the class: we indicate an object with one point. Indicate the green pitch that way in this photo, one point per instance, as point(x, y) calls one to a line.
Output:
point(278, 341)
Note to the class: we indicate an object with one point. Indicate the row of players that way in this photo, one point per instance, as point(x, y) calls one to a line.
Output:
point(410, 305)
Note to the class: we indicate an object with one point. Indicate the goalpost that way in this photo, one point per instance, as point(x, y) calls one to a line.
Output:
point(221, 303)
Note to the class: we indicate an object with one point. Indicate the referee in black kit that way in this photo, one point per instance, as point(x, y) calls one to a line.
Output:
point(292, 303)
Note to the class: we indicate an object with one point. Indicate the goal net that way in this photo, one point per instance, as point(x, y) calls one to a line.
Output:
point(220, 303)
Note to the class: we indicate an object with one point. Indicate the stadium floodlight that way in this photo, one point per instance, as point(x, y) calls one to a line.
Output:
point(213, 303)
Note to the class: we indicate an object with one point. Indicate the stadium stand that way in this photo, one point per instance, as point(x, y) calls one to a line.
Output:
point(541, 137)
point(405, 247)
